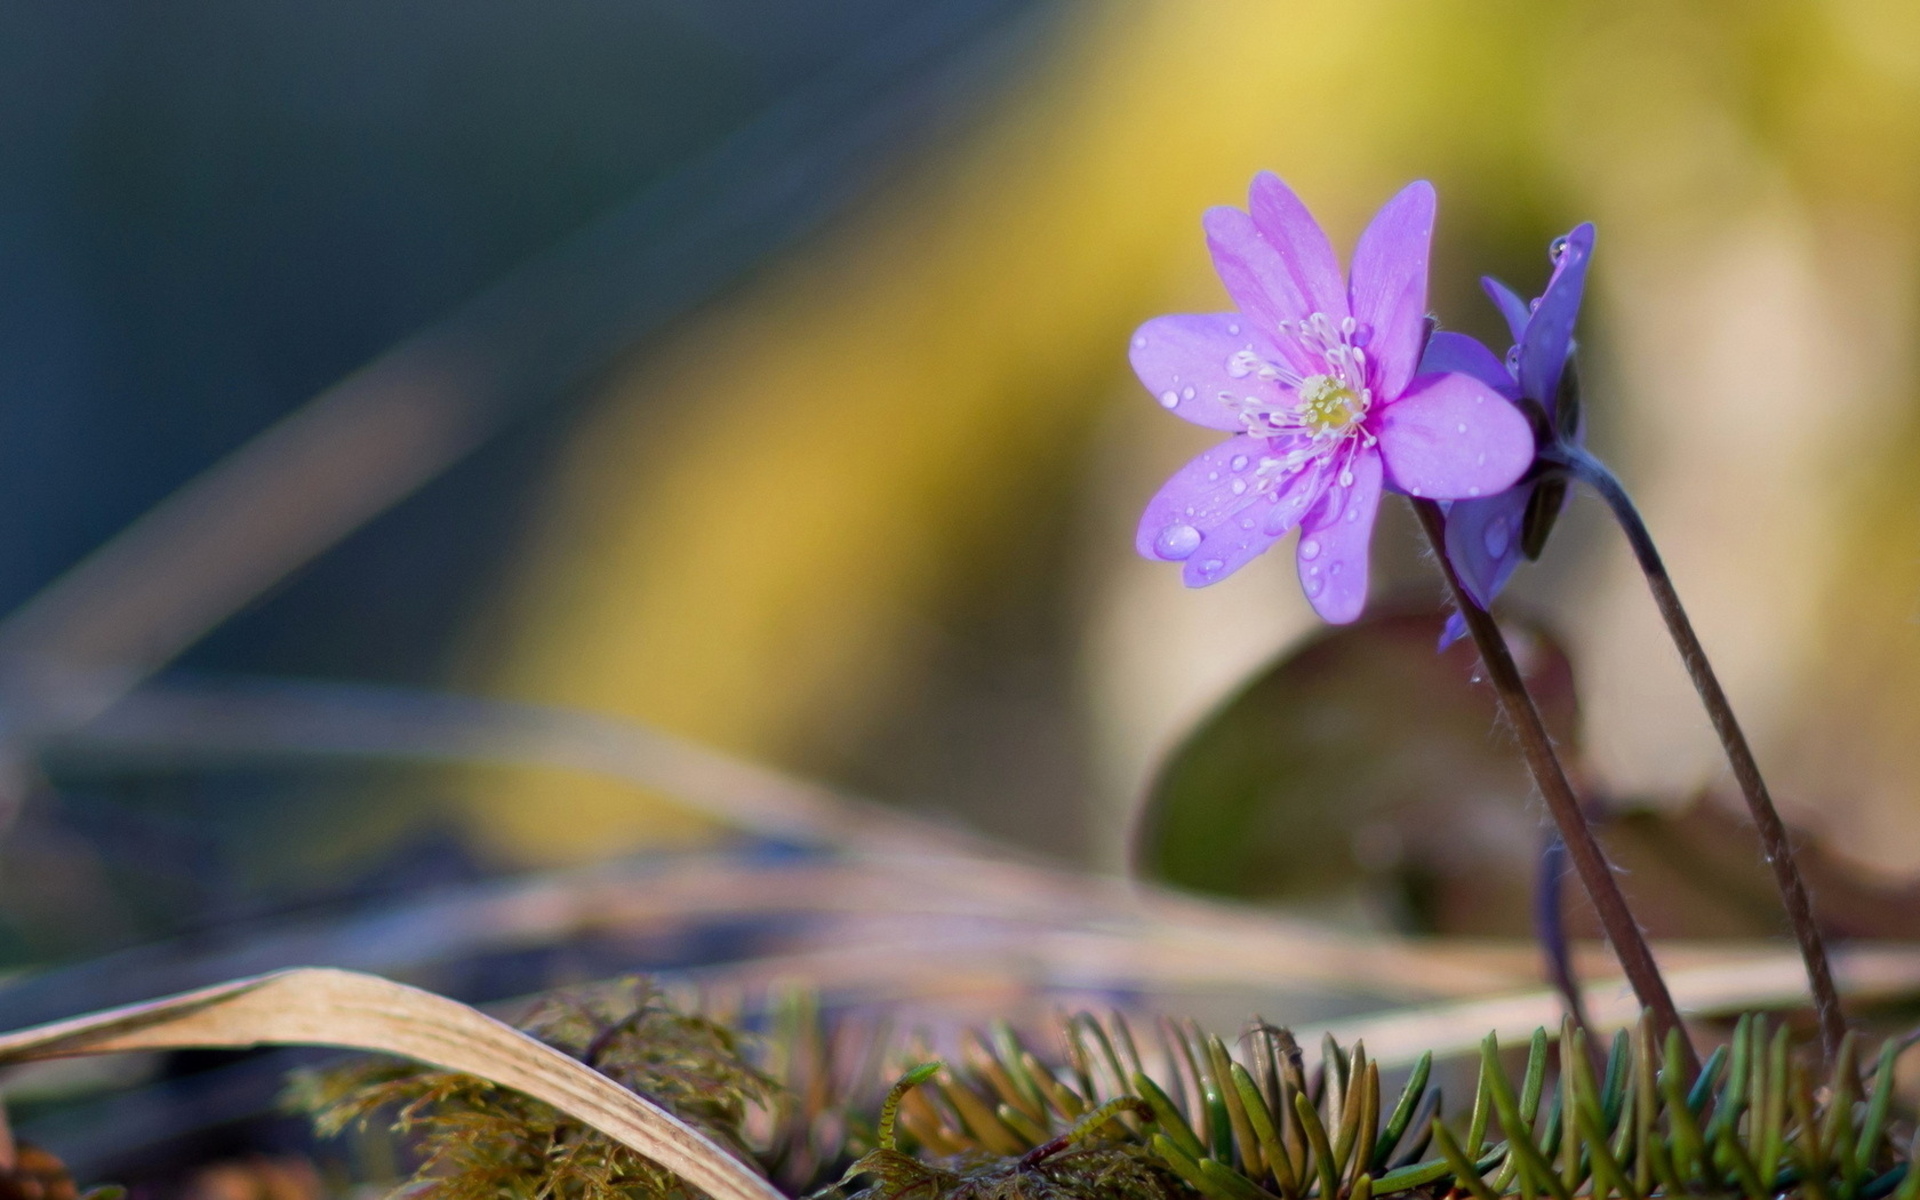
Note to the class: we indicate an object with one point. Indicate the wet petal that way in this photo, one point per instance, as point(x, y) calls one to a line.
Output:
point(1247, 533)
point(1216, 509)
point(1186, 362)
point(1483, 541)
point(1451, 437)
point(1309, 278)
point(1511, 306)
point(1332, 554)
point(1549, 337)
point(1457, 352)
point(1390, 285)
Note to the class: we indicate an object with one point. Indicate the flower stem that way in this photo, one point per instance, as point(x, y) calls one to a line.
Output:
point(1550, 925)
point(1774, 842)
point(1589, 861)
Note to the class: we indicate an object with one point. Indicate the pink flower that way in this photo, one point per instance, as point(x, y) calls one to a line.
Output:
point(1314, 375)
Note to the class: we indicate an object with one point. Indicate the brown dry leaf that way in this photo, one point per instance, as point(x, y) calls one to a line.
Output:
point(312, 1006)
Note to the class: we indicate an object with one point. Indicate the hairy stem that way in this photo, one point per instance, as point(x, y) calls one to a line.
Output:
point(1589, 861)
point(1774, 842)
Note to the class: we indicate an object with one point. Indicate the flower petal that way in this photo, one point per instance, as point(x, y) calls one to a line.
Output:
point(1451, 437)
point(1549, 336)
point(1183, 360)
point(1332, 555)
point(1219, 512)
point(1511, 306)
point(1483, 541)
point(1448, 351)
point(1389, 288)
point(1310, 279)
point(1257, 279)
point(1202, 495)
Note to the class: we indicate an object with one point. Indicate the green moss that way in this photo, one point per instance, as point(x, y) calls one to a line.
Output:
point(474, 1140)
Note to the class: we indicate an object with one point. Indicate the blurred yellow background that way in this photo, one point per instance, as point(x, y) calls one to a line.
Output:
point(870, 515)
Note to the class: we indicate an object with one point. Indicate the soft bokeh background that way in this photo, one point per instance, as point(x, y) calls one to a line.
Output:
point(860, 504)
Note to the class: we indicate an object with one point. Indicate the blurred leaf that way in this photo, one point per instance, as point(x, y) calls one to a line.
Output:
point(1361, 756)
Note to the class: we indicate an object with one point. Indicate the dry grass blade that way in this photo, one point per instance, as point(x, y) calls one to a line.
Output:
point(319, 1007)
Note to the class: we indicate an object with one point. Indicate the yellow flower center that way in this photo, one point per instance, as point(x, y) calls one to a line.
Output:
point(1328, 406)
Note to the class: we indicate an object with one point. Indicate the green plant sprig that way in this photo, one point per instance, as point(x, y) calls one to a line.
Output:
point(1755, 1122)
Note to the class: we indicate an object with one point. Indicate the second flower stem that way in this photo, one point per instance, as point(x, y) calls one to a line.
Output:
point(1589, 861)
point(1774, 842)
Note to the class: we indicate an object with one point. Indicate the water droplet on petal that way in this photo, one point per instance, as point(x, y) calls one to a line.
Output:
point(1314, 588)
point(1353, 514)
point(1167, 399)
point(1533, 305)
point(1556, 251)
point(1234, 330)
point(1460, 428)
point(1311, 571)
point(1334, 569)
point(1140, 343)
point(1473, 491)
point(1239, 486)
point(1278, 521)
point(1246, 522)
point(1480, 461)
point(1496, 538)
point(1239, 462)
point(1211, 567)
point(1176, 542)
point(1213, 476)
point(1346, 479)
point(1186, 394)
point(1309, 549)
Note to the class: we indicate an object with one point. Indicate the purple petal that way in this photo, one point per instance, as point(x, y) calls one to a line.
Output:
point(1448, 351)
point(1183, 360)
point(1309, 279)
point(1256, 278)
point(1455, 629)
point(1549, 336)
point(1451, 437)
point(1332, 555)
point(1390, 285)
point(1511, 306)
point(1483, 541)
point(1200, 518)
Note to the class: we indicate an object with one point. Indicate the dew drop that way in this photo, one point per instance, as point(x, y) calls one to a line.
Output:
point(1211, 567)
point(1140, 343)
point(1314, 588)
point(1556, 251)
point(1481, 461)
point(1176, 542)
point(1353, 514)
point(1278, 522)
point(1239, 462)
point(1460, 428)
point(1187, 394)
point(1239, 487)
point(1496, 538)
point(1473, 491)
point(1234, 330)
point(1246, 522)
point(1334, 569)
point(1346, 479)
point(1533, 305)
point(1309, 549)
point(1213, 476)
point(1167, 399)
